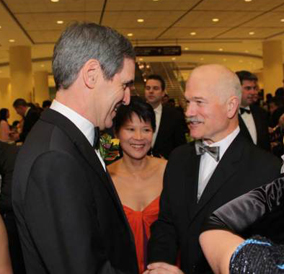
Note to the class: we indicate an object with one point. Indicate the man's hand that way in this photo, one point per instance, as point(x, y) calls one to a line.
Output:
point(162, 268)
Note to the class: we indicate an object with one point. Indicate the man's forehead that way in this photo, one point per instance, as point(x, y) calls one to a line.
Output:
point(249, 83)
point(153, 82)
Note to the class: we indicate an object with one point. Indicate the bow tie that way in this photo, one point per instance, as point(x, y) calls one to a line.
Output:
point(212, 151)
point(96, 144)
point(244, 110)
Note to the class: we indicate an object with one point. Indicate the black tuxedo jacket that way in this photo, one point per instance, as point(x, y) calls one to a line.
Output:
point(68, 213)
point(171, 132)
point(242, 168)
point(260, 118)
point(29, 120)
point(8, 154)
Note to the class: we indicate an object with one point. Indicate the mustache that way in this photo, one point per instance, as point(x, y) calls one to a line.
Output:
point(192, 119)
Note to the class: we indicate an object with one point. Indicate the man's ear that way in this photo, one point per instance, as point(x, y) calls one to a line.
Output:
point(232, 106)
point(91, 71)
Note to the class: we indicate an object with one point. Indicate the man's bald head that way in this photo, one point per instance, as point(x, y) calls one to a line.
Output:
point(219, 80)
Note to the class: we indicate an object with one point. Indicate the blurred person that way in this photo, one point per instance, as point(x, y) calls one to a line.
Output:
point(5, 262)
point(203, 175)
point(276, 109)
point(138, 178)
point(253, 119)
point(5, 130)
point(170, 124)
point(8, 154)
point(165, 99)
point(46, 104)
point(30, 116)
point(256, 216)
point(68, 213)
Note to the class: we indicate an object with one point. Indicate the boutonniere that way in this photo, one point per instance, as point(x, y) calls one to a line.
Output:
point(109, 148)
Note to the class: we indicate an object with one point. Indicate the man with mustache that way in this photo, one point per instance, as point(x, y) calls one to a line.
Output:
point(203, 175)
point(253, 119)
point(68, 213)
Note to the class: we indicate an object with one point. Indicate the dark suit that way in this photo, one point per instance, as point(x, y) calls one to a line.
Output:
point(69, 216)
point(171, 132)
point(242, 168)
point(8, 154)
point(29, 120)
point(260, 118)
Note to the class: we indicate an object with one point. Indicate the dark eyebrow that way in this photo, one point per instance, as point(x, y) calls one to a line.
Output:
point(128, 83)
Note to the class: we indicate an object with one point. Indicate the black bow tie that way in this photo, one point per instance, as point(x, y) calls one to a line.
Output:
point(212, 151)
point(96, 144)
point(244, 110)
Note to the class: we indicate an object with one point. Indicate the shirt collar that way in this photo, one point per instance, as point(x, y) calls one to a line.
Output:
point(27, 110)
point(225, 143)
point(84, 125)
point(158, 109)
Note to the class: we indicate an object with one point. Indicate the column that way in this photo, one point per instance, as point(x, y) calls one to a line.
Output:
point(41, 86)
point(20, 74)
point(272, 65)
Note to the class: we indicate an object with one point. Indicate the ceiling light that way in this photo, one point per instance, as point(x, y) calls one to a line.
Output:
point(193, 33)
point(251, 33)
point(186, 48)
point(215, 20)
point(220, 49)
point(42, 65)
point(12, 40)
point(173, 58)
point(129, 34)
point(140, 59)
point(54, 1)
point(148, 66)
point(282, 20)
point(60, 22)
point(155, 0)
point(201, 58)
point(248, 0)
point(140, 20)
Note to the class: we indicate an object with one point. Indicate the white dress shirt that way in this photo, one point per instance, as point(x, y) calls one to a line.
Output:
point(158, 115)
point(208, 164)
point(249, 122)
point(84, 125)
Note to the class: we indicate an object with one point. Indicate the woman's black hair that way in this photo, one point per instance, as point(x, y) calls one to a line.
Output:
point(138, 106)
point(3, 114)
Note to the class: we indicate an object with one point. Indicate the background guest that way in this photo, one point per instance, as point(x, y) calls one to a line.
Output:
point(5, 131)
point(137, 177)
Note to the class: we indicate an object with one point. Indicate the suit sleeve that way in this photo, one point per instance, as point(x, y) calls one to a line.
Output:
point(61, 216)
point(244, 211)
point(162, 246)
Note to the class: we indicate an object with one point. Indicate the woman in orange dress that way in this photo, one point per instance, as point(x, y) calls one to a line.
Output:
point(137, 177)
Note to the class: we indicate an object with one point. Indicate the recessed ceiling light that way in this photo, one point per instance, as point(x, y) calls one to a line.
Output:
point(201, 58)
point(54, 1)
point(248, 0)
point(0, 27)
point(155, 0)
point(282, 20)
point(60, 22)
point(220, 49)
point(140, 59)
point(215, 20)
point(251, 33)
point(186, 48)
point(173, 58)
point(193, 33)
point(148, 66)
point(224, 59)
point(129, 34)
point(12, 40)
point(140, 20)
point(42, 65)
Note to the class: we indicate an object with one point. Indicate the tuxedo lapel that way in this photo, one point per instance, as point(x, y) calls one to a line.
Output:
point(243, 128)
point(85, 148)
point(191, 184)
point(225, 169)
point(163, 123)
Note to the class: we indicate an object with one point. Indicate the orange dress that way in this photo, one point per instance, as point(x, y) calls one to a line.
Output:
point(140, 222)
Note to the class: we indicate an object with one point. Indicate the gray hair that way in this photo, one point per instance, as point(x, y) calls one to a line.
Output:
point(81, 42)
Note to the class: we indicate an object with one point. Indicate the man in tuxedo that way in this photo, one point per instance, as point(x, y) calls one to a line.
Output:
point(170, 129)
point(203, 175)
point(29, 115)
point(68, 213)
point(253, 119)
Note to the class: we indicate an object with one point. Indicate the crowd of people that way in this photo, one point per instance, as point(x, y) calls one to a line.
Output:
point(164, 206)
